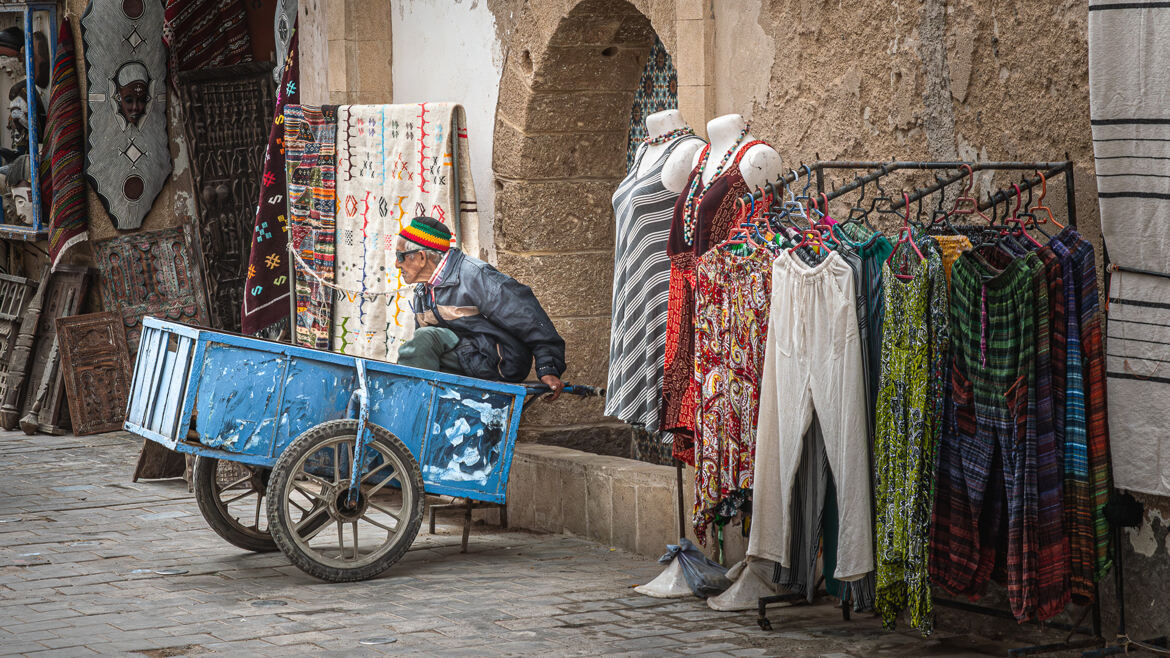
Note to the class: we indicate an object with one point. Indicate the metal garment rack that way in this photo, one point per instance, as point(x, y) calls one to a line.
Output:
point(961, 171)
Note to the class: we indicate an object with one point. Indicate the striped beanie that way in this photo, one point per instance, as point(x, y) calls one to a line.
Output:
point(428, 232)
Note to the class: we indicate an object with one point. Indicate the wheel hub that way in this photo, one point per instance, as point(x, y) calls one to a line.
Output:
point(342, 508)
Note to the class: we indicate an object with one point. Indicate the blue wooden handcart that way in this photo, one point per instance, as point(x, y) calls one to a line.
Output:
point(339, 451)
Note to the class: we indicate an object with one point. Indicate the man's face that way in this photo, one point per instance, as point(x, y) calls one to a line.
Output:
point(410, 262)
point(132, 99)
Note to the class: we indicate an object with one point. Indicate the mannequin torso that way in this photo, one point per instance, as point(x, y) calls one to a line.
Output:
point(678, 166)
point(760, 164)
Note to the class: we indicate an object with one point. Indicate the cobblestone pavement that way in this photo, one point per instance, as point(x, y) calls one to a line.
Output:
point(80, 544)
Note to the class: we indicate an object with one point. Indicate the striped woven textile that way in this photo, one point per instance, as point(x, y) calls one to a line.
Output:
point(64, 144)
point(1139, 381)
point(394, 162)
point(310, 158)
point(1129, 103)
point(267, 289)
point(202, 34)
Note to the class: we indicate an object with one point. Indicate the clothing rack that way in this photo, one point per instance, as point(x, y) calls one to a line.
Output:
point(961, 171)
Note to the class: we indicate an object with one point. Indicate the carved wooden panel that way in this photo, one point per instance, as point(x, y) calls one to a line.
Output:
point(15, 293)
point(227, 114)
point(95, 365)
point(67, 289)
point(151, 274)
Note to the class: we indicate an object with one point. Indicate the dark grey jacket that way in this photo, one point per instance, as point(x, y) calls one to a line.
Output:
point(500, 324)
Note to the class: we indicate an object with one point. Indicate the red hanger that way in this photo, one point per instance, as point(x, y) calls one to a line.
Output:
point(1015, 219)
point(1039, 202)
point(965, 196)
point(905, 236)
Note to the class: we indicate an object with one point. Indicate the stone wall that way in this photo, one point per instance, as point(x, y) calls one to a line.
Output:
point(346, 48)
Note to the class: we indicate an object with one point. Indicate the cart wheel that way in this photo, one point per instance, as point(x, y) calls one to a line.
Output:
point(230, 496)
point(357, 541)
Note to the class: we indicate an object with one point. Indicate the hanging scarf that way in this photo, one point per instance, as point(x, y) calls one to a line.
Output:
point(203, 34)
point(68, 218)
point(266, 291)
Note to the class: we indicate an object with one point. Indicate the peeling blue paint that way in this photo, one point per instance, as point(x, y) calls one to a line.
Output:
point(254, 398)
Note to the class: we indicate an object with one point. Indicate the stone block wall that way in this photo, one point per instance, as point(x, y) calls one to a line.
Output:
point(611, 500)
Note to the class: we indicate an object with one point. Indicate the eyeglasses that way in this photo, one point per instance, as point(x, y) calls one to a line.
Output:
point(401, 255)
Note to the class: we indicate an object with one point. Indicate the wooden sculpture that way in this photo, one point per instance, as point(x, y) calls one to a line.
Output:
point(10, 407)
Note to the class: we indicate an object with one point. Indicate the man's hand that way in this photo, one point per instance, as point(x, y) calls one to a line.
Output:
point(555, 383)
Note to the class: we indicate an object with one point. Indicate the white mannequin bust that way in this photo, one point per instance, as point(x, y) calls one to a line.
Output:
point(760, 164)
point(678, 166)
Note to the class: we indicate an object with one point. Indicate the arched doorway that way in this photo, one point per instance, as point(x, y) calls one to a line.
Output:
point(562, 125)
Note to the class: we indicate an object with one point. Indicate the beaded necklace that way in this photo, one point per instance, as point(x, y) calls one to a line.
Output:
point(668, 136)
point(699, 188)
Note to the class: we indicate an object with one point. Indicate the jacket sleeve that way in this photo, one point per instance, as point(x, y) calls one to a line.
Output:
point(515, 309)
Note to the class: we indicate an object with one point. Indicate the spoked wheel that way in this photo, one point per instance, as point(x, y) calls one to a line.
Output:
point(230, 496)
point(360, 538)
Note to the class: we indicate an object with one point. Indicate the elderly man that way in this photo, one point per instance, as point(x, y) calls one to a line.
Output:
point(470, 318)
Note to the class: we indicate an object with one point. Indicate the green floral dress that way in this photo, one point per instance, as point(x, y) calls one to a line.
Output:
point(908, 427)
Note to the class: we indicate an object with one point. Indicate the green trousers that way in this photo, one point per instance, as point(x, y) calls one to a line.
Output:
point(431, 348)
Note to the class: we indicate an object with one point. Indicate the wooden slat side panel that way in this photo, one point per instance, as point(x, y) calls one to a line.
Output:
point(138, 392)
point(175, 378)
point(151, 382)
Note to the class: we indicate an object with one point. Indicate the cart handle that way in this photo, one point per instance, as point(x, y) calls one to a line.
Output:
point(537, 389)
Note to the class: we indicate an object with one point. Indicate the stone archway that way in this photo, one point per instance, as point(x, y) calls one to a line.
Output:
point(560, 150)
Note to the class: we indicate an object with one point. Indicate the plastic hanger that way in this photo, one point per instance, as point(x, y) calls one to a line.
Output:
point(940, 219)
point(1015, 219)
point(857, 213)
point(1040, 201)
point(809, 238)
point(905, 235)
point(964, 196)
point(1036, 222)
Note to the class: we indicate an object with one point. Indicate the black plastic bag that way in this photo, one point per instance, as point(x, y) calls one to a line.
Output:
point(705, 577)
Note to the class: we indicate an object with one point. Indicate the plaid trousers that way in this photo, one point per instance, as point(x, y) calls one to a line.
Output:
point(994, 418)
point(1053, 552)
point(1078, 503)
point(1097, 419)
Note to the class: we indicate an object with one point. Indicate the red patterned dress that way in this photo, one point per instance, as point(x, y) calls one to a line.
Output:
point(731, 323)
point(714, 218)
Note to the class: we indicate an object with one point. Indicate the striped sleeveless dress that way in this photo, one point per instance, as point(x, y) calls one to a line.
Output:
point(643, 209)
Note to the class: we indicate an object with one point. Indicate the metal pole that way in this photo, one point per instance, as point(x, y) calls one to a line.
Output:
point(678, 481)
point(1070, 191)
point(1114, 267)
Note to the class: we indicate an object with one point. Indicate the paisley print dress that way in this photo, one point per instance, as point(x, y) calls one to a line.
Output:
point(732, 301)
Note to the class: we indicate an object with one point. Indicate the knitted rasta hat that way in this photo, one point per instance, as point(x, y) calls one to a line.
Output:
point(427, 232)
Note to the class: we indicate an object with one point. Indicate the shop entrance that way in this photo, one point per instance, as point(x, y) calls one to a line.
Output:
point(562, 126)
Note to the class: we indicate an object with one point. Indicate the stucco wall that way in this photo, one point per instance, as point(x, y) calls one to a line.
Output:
point(459, 63)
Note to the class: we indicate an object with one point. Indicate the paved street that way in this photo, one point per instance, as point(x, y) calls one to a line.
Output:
point(81, 549)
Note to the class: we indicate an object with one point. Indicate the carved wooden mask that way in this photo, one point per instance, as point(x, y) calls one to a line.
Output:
point(282, 29)
point(129, 158)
